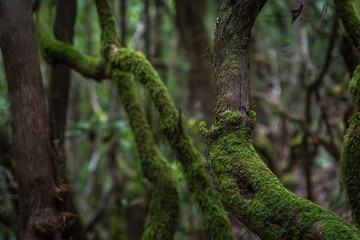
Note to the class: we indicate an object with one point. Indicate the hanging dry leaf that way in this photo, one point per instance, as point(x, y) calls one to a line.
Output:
point(297, 12)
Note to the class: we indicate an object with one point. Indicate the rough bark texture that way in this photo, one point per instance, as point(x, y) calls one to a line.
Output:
point(38, 193)
point(190, 16)
point(249, 189)
point(231, 47)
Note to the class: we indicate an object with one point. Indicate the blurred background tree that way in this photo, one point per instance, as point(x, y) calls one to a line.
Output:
point(299, 73)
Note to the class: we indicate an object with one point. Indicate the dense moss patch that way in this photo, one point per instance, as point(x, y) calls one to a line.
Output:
point(163, 215)
point(256, 196)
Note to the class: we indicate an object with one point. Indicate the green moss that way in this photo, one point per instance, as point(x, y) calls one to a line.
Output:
point(345, 10)
point(215, 221)
point(109, 37)
point(252, 191)
point(57, 51)
point(163, 215)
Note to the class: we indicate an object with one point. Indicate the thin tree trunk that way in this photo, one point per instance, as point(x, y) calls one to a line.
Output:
point(59, 86)
point(58, 101)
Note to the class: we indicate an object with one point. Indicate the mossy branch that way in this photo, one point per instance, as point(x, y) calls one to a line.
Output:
point(346, 12)
point(215, 220)
point(109, 37)
point(163, 216)
point(54, 50)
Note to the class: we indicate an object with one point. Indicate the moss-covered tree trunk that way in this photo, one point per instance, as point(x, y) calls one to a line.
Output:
point(350, 158)
point(249, 189)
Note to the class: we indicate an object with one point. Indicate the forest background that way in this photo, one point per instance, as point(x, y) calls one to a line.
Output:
point(301, 62)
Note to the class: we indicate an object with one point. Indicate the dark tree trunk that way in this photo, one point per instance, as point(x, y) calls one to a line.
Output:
point(38, 194)
point(58, 100)
point(190, 22)
point(59, 85)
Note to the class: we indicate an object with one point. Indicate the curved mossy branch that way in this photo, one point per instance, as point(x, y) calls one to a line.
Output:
point(346, 12)
point(163, 216)
point(163, 213)
point(350, 158)
point(215, 219)
point(256, 196)
point(54, 50)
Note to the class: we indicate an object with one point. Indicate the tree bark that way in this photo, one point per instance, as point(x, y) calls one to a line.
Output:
point(38, 193)
point(58, 101)
point(59, 86)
